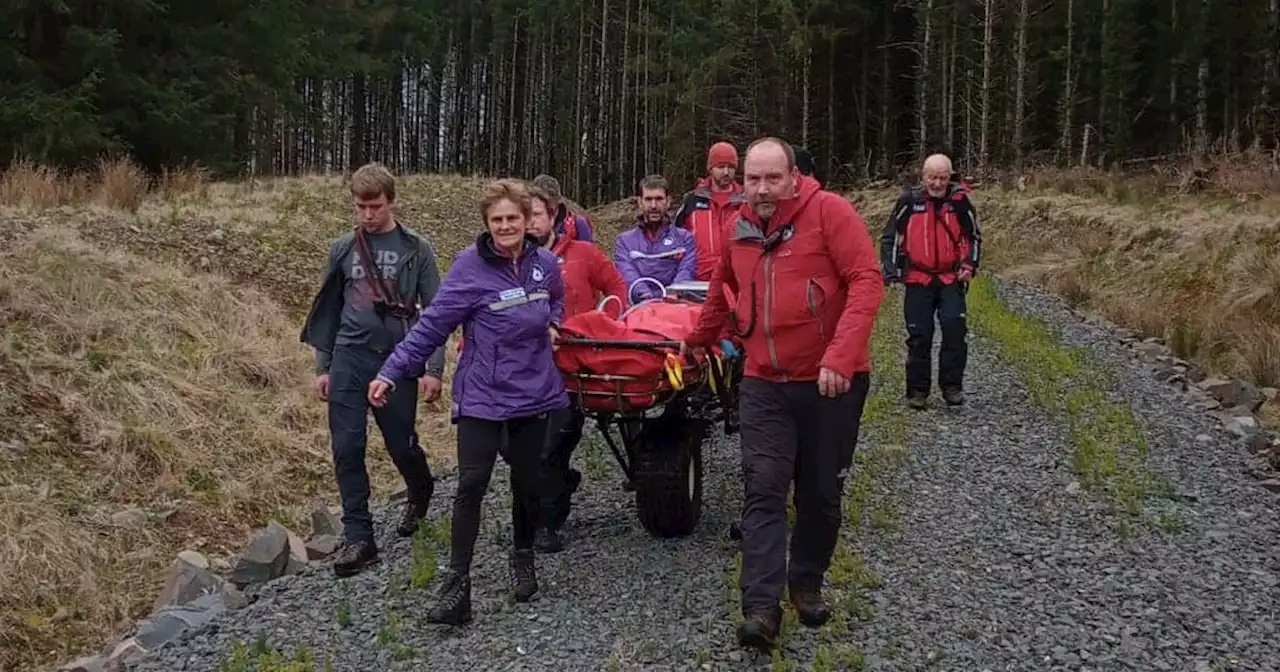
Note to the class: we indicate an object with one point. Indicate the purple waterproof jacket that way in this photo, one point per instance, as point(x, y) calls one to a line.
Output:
point(667, 255)
point(506, 369)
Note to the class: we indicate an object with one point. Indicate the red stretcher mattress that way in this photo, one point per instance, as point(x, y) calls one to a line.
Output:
point(612, 378)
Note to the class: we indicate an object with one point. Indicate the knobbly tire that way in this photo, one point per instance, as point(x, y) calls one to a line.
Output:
point(667, 463)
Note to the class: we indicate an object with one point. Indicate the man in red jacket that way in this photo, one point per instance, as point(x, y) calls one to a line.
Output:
point(709, 208)
point(932, 245)
point(589, 277)
point(567, 224)
point(802, 264)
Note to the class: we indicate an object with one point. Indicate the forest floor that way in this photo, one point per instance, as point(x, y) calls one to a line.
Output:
point(154, 398)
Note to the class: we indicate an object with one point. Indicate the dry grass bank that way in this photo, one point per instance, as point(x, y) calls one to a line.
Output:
point(144, 409)
point(1201, 270)
point(154, 396)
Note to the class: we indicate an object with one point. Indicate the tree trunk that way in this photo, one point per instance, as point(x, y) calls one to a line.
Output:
point(1202, 89)
point(829, 173)
point(357, 150)
point(805, 69)
point(988, 39)
point(1019, 96)
point(623, 167)
point(886, 160)
point(923, 79)
point(949, 95)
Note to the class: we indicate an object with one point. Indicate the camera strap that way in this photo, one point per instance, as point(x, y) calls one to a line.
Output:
point(381, 292)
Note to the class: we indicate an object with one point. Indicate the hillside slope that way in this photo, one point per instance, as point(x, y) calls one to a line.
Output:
point(144, 409)
point(154, 396)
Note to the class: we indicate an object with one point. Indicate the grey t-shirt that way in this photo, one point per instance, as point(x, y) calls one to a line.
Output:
point(360, 324)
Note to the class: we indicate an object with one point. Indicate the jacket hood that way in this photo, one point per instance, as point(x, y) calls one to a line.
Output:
point(489, 252)
point(806, 189)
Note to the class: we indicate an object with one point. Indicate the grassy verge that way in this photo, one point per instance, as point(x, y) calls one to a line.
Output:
point(1109, 448)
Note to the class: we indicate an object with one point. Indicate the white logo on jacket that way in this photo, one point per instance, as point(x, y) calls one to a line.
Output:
point(537, 273)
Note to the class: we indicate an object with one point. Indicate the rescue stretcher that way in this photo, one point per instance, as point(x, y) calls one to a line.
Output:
point(626, 373)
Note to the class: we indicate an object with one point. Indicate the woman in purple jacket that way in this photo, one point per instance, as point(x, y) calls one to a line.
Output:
point(507, 294)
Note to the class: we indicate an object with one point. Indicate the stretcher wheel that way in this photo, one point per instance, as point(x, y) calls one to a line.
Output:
point(667, 474)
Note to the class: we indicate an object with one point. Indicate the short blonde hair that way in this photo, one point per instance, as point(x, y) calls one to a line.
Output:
point(506, 190)
point(373, 180)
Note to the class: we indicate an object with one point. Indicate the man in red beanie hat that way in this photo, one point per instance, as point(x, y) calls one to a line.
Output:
point(707, 210)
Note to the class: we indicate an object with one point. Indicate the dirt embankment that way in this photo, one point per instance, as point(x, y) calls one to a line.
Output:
point(154, 396)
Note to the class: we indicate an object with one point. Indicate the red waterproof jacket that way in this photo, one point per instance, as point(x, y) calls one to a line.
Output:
point(927, 237)
point(709, 215)
point(588, 276)
point(806, 303)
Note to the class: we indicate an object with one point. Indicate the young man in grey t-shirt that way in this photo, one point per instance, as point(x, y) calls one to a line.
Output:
point(377, 277)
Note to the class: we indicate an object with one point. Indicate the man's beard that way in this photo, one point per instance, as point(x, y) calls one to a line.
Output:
point(542, 240)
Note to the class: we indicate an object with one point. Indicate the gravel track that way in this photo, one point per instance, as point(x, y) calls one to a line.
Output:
point(615, 598)
point(994, 560)
point(1003, 564)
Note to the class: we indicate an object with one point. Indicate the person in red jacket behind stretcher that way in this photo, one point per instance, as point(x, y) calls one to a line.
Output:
point(588, 276)
point(804, 269)
point(708, 210)
point(931, 244)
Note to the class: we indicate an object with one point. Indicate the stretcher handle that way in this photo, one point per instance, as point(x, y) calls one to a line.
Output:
point(635, 345)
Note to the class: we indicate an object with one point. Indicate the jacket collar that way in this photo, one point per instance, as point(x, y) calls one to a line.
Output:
point(489, 252)
point(703, 188)
point(748, 224)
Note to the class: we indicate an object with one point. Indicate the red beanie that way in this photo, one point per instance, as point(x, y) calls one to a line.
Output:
point(722, 152)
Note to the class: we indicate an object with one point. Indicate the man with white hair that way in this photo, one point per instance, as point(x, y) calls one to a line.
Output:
point(932, 245)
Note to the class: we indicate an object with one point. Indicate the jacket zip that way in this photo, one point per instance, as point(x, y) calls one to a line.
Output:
point(930, 222)
point(713, 225)
point(768, 314)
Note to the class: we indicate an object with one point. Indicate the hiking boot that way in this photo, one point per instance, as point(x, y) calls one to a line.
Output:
point(411, 517)
point(547, 540)
point(954, 396)
point(415, 509)
point(759, 629)
point(809, 606)
point(354, 557)
point(524, 580)
point(918, 401)
point(453, 602)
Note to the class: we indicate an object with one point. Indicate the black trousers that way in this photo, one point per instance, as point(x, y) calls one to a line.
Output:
point(560, 480)
point(919, 307)
point(350, 373)
point(790, 432)
point(479, 444)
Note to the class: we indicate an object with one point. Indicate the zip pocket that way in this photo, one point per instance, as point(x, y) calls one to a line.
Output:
point(811, 289)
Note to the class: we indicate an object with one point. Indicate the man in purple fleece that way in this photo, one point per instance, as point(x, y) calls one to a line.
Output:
point(507, 294)
point(654, 249)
